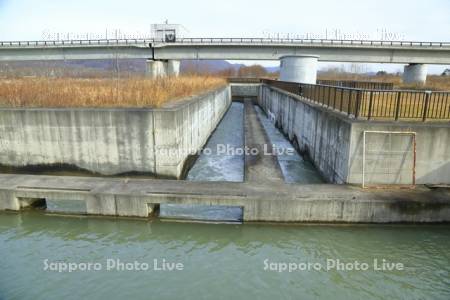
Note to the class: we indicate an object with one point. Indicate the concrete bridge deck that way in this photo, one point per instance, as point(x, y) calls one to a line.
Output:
point(260, 202)
point(230, 48)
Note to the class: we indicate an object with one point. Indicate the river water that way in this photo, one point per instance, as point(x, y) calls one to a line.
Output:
point(219, 261)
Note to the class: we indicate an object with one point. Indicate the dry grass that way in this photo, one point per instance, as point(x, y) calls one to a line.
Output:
point(434, 82)
point(130, 92)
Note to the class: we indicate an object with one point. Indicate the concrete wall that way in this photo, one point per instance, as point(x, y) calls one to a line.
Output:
point(335, 143)
point(432, 153)
point(112, 141)
point(325, 136)
point(245, 89)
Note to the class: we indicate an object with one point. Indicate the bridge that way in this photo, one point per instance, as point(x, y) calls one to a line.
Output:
point(298, 57)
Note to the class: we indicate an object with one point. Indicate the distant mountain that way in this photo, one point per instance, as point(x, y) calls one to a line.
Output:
point(73, 67)
point(135, 66)
point(212, 66)
point(129, 65)
point(273, 69)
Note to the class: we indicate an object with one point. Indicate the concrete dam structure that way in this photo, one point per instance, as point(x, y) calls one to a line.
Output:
point(331, 140)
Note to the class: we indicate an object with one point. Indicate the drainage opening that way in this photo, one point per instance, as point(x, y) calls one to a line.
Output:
point(198, 212)
point(32, 203)
point(153, 210)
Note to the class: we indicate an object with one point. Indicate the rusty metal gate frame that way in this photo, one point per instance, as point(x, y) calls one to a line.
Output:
point(413, 134)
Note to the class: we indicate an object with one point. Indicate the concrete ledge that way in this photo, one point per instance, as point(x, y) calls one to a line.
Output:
point(282, 203)
point(112, 141)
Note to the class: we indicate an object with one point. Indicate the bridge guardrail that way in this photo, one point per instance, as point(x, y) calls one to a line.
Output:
point(323, 42)
point(367, 104)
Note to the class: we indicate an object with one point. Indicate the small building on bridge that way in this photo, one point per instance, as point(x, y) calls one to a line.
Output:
point(168, 32)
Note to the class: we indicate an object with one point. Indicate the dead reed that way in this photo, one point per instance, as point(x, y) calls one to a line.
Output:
point(434, 82)
point(127, 92)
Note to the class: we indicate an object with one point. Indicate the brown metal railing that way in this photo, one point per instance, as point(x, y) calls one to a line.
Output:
point(243, 80)
point(374, 104)
point(357, 84)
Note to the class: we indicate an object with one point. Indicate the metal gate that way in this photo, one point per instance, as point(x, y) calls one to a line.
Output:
point(389, 157)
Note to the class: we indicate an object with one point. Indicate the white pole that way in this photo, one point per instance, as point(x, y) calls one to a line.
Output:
point(364, 159)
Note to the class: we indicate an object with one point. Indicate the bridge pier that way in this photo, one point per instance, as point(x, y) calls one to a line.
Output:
point(415, 73)
point(299, 68)
point(162, 68)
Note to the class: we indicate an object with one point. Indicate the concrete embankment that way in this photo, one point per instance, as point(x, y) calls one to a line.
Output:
point(259, 202)
point(335, 143)
point(112, 141)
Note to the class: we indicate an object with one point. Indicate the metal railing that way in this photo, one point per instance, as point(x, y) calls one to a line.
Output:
point(243, 80)
point(62, 43)
point(258, 41)
point(356, 84)
point(367, 104)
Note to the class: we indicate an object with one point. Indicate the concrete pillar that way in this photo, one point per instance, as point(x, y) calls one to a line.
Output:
point(415, 73)
point(173, 68)
point(161, 68)
point(156, 68)
point(299, 68)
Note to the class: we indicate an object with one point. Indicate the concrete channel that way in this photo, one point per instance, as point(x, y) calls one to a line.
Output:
point(261, 187)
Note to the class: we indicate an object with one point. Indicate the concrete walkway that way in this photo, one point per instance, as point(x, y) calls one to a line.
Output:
point(260, 202)
point(259, 168)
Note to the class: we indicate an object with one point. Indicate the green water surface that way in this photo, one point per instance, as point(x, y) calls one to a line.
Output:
point(219, 261)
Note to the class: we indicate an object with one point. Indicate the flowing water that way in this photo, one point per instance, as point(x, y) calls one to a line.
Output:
point(295, 168)
point(220, 162)
point(219, 261)
point(217, 164)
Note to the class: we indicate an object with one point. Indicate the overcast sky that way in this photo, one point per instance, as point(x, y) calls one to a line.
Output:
point(411, 20)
